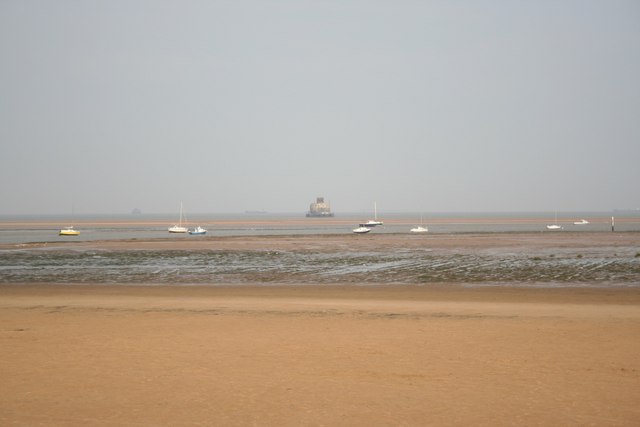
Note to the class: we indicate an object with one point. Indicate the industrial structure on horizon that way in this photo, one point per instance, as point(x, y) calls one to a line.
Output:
point(320, 208)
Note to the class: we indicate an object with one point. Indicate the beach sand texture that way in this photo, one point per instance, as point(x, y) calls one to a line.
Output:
point(318, 355)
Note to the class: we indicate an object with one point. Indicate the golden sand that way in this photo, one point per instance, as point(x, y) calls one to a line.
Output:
point(307, 355)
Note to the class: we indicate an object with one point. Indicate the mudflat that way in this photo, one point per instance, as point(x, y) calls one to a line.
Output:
point(352, 242)
point(318, 355)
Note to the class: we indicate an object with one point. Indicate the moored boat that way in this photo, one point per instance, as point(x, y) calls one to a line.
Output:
point(198, 230)
point(69, 231)
point(420, 228)
point(370, 223)
point(361, 230)
point(555, 225)
point(373, 222)
point(178, 228)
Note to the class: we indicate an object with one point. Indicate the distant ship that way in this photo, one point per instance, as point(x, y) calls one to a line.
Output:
point(320, 209)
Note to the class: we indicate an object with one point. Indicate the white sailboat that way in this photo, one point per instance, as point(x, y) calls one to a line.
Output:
point(178, 228)
point(361, 230)
point(373, 222)
point(69, 231)
point(420, 228)
point(555, 225)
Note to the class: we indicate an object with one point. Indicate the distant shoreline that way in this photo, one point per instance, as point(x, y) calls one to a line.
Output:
point(43, 222)
point(161, 216)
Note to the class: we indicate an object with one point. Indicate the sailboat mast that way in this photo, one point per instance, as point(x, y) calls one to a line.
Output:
point(375, 211)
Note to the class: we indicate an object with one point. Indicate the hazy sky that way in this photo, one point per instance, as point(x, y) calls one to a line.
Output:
point(244, 105)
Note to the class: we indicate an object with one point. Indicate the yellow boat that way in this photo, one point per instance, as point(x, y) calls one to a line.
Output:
point(69, 231)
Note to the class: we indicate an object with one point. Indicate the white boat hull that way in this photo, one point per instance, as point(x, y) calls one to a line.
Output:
point(361, 230)
point(178, 228)
point(198, 230)
point(371, 223)
point(554, 227)
point(419, 229)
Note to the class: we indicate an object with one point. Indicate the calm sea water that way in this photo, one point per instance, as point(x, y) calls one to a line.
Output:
point(590, 266)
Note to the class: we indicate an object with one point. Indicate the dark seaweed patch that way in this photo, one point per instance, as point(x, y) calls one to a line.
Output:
point(589, 266)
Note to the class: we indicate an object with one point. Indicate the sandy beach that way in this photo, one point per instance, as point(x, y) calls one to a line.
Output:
point(83, 355)
point(376, 355)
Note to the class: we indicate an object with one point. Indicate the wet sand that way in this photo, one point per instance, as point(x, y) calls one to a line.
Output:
point(307, 355)
point(354, 242)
